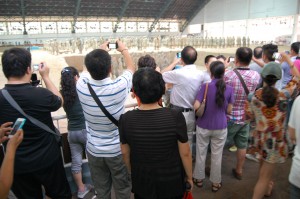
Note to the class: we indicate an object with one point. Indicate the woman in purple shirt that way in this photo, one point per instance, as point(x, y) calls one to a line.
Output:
point(212, 126)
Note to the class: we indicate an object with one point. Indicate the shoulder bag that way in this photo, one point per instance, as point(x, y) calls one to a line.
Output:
point(103, 109)
point(201, 109)
point(34, 121)
point(242, 81)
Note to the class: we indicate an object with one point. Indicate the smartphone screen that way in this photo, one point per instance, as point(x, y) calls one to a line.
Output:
point(231, 59)
point(178, 55)
point(17, 125)
point(112, 46)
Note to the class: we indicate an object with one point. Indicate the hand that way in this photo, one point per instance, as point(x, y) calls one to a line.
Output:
point(121, 46)
point(44, 70)
point(4, 131)
point(104, 46)
point(190, 181)
point(284, 57)
point(16, 140)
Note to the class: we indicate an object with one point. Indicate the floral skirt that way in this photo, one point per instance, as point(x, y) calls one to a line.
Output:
point(271, 146)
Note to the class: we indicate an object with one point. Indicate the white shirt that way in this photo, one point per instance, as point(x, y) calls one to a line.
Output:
point(103, 136)
point(186, 84)
point(207, 77)
point(294, 176)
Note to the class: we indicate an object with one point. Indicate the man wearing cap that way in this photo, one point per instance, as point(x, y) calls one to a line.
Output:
point(186, 83)
point(238, 130)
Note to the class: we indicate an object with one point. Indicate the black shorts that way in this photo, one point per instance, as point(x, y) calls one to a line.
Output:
point(53, 179)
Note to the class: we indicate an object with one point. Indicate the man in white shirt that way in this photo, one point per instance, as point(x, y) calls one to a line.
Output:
point(103, 143)
point(207, 61)
point(186, 84)
point(294, 130)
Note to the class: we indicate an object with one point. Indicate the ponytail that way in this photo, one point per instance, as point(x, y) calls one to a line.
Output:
point(269, 93)
point(220, 98)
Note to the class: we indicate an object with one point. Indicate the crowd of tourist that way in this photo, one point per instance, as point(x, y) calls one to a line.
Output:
point(247, 103)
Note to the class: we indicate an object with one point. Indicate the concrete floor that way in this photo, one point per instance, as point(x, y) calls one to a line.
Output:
point(241, 189)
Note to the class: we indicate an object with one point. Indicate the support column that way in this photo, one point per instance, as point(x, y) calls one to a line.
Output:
point(295, 28)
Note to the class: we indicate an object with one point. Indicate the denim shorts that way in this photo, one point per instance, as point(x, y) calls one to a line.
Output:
point(239, 133)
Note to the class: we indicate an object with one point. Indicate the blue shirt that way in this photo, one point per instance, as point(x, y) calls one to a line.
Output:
point(214, 117)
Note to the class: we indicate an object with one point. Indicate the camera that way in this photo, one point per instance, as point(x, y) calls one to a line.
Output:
point(113, 45)
point(178, 55)
point(35, 67)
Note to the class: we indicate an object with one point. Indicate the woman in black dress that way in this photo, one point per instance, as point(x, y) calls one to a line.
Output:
point(154, 142)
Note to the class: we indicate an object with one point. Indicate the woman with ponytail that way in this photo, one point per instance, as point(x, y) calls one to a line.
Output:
point(212, 126)
point(76, 125)
point(268, 107)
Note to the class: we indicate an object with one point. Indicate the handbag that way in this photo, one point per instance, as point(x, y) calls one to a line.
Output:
point(103, 109)
point(34, 121)
point(201, 109)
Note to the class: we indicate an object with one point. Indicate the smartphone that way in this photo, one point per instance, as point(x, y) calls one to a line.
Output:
point(113, 45)
point(178, 55)
point(231, 59)
point(17, 125)
point(276, 56)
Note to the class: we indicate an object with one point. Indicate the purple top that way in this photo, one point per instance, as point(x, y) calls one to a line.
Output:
point(214, 117)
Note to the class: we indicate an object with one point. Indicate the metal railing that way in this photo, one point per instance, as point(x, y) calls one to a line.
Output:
point(61, 117)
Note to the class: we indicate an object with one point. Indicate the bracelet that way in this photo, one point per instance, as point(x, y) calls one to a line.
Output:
point(123, 50)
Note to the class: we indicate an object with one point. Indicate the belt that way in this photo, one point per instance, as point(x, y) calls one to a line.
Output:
point(181, 108)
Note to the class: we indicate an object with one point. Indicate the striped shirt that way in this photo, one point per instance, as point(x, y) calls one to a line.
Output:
point(103, 135)
point(251, 79)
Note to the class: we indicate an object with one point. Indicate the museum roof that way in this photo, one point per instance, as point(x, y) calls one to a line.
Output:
point(101, 10)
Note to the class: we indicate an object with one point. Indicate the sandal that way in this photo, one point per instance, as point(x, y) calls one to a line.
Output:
point(270, 189)
point(216, 187)
point(198, 183)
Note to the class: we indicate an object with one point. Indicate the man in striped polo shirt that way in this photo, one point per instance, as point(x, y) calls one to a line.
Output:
point(103, 144)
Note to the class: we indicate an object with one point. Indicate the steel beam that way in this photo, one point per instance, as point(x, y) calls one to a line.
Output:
point(122, 12)
point(23, 14)
point(202, 3)
point(160, 14)
point(77, 9)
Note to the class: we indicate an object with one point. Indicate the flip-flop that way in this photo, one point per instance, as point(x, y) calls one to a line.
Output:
point(198, 183)
point(216, 187)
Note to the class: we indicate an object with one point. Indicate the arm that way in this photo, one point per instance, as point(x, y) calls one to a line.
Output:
point(126, 156)
point(127, 58)
point(292, 133)
point(186, 158)
point(7, 168)
point(260, 63)
point(171, 66)
point(44, 72)
point(294, 71)
point(229, 109)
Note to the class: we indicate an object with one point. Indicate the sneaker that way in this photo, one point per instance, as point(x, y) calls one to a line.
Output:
point(232, 148)
point(252, 157)
point(87, 189)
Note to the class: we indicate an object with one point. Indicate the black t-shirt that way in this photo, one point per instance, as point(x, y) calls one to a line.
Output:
point(153, 136)
point(39, 149)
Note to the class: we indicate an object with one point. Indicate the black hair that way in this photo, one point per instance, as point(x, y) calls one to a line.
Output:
point(189, 55)
point(98, 63)
point(207, 58)
point(148, 85)
point(15, 62)
point(269, 50)
point(68, 86)
point(244, 55)
point(147, 61)
point(269, 93)
point(295, 47)
point(221, 57)
point(257, 52)
point(217, 70)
